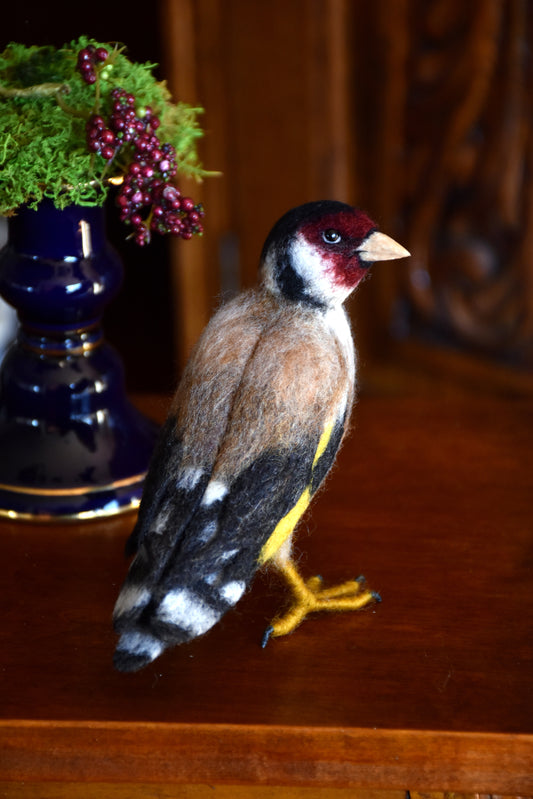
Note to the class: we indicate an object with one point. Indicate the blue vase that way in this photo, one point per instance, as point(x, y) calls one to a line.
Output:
point(71, 444)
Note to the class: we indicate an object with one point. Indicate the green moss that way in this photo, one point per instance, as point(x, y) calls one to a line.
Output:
point(44, 106)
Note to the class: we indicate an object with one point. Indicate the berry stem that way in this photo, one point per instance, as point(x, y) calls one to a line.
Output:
point(73, 112)
point(38, 90)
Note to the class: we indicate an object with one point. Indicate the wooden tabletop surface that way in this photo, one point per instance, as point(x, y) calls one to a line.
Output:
point(432, 499)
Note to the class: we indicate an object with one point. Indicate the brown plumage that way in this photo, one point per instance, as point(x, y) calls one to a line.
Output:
point(248, 404)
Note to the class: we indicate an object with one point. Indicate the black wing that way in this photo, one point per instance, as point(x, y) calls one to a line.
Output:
point(214, 562)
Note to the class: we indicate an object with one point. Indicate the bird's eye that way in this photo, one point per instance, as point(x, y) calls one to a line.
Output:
point(331, 236)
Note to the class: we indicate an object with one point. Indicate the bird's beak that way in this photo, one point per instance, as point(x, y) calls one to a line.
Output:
point(379, 247)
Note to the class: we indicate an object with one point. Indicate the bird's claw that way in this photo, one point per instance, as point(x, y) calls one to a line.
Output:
point(309, 596)
point(266, 636)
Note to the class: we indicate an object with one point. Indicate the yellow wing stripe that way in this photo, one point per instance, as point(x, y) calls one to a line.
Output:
point(324, 440)
point(286, 525)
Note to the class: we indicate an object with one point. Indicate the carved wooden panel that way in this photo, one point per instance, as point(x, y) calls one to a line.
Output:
point(417, 110)
point(453, 159)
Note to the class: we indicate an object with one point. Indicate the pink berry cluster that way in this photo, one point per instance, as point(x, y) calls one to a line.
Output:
point(100, 138)
point(147, 198)
point(88, 59)
point(168, 211)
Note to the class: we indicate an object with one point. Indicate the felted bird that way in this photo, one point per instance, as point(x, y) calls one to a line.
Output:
point(252, 432)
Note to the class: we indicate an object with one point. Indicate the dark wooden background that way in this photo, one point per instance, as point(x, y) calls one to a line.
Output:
point(417, 110)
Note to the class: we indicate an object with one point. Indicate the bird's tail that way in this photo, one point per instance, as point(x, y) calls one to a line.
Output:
point(151, 620)
point(136, 649)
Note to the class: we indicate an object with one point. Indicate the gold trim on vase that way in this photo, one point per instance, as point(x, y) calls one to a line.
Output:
point(82, 516)
point(74, 491)
point(83, 339)
point(87, 346)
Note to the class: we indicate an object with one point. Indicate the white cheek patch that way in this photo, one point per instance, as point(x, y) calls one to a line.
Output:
point(317, 271)
point(133, 597)
point(215, 491)
point(186, 610)
point(309, 263)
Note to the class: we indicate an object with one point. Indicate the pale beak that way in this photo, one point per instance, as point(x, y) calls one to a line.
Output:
point(379, 247)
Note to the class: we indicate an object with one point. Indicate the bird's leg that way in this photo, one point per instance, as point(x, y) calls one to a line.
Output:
point(309, 596)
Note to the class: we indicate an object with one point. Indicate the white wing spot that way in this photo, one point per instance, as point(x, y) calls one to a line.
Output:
point(209, 532)
point(130, 598)
point(232, 591)
point(137, 643)
point(229, 553)
point(189, 478)
point(160, 524)
point(215, 491)
point(186, 610)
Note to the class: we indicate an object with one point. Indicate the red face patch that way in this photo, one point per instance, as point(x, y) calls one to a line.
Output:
point(338, 236)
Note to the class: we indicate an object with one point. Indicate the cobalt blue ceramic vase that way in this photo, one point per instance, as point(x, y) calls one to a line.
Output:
point(71, 444)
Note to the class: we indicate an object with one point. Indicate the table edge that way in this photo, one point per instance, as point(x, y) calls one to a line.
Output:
point(117, 751)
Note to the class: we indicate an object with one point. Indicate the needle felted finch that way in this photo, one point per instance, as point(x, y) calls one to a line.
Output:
point(252, 432)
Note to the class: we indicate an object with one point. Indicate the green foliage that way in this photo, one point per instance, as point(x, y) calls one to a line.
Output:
point(44, 106)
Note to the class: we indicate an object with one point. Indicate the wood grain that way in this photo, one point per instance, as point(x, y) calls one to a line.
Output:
point(277, 128)
point(432, 499)
point(108, 790)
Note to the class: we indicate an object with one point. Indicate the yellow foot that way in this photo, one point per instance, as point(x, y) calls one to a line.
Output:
point(309, 597)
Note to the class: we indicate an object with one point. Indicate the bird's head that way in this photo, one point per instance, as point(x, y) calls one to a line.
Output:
point(319, 252)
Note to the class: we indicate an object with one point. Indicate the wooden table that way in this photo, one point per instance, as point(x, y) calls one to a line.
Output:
point(432, 500)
